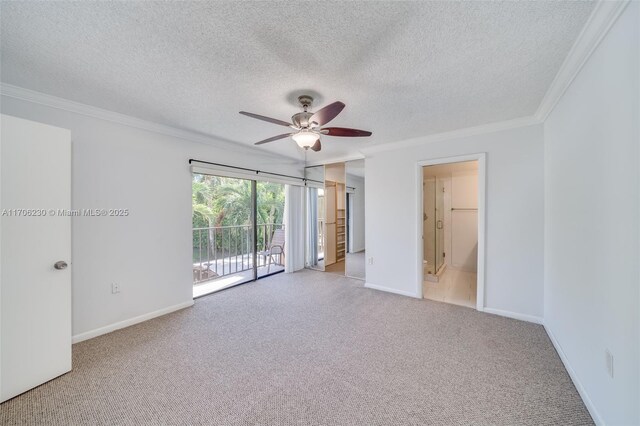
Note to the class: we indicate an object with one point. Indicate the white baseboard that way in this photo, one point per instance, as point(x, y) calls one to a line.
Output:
point(514, 315)
point(574, 377)
point(131, 321)
point(392, 290)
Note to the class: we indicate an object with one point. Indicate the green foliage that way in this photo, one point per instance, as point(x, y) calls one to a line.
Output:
point(219, 201)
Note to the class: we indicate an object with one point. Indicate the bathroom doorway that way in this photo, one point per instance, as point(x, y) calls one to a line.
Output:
point(451, 243)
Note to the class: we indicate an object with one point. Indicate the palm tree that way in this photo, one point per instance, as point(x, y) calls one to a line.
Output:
point(220, 201)
point(203, 211)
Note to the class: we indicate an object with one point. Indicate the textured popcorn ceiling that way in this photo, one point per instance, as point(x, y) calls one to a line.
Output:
point(404, 69)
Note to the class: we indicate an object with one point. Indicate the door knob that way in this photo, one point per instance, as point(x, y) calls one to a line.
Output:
point(61, 264)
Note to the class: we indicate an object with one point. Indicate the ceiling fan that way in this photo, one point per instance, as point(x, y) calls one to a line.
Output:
point(308, 125)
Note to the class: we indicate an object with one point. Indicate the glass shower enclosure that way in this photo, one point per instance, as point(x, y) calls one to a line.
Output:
point(433, 223)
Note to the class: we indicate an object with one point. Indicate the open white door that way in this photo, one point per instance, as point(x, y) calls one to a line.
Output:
point(35, 291)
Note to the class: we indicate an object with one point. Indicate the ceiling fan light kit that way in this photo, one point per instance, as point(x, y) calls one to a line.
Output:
point(308, 125)
point(305, 138)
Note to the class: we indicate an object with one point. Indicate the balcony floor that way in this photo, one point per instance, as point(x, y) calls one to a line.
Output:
point(225, 281)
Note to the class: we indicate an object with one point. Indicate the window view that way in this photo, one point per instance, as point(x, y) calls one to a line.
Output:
point(270, 227)
point(224, 251)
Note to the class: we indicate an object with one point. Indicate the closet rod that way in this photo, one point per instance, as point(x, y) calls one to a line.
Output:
point(453, 208)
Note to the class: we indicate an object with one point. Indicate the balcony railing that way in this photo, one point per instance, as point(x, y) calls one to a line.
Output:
point(224, 250)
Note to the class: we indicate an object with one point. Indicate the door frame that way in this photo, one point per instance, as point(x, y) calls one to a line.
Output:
point(482, 187)
point(349, 221)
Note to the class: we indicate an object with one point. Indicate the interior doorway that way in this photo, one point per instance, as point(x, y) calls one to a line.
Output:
point(349, 233)
point(452, 211)
point(326, 218)
point(335, 215)
point(335, 237)
point(238, 231)
point(355, 266)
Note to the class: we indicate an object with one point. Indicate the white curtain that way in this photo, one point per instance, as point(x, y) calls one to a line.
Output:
point(294, 211)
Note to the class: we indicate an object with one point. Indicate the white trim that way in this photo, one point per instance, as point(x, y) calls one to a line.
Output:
point(127, 120)
point(600, 21)
point(602, 17)
point(392, 290)
point(514, 315)
point(454, 134)
point(482, 224)
point(574, 377)
point(131, 321)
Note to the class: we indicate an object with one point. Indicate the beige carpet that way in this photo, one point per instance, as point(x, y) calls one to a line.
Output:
point(311, 349)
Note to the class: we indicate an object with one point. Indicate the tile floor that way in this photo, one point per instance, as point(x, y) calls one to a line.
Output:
point(455, 286)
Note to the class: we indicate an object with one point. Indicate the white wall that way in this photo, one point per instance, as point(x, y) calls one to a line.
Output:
point(464, 189)
point(592, 224)
point(514, 241)
point(358, 211)
point(335, 172)
point(149, 252)
point(464, 223)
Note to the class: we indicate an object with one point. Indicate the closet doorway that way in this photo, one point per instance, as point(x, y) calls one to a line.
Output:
point(451, 215)
point(355, 266)
point(335, 237)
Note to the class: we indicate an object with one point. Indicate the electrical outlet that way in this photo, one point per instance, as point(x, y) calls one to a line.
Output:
point(609, 362)
point(115, 288)
point(371, 261)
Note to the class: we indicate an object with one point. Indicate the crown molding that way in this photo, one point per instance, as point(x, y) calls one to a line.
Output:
point(598, 25)
point(454, 134)
point(51, 101)
point(595, 29)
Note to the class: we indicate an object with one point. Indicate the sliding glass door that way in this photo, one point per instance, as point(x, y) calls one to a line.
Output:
point(223, 233)
point(270, 232)
point(238, 231)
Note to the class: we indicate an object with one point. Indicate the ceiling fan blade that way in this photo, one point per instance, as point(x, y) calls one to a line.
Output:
point(263, 118)
point(273, 138)
point(342, 131)
point(316, 146)
point(326, 114)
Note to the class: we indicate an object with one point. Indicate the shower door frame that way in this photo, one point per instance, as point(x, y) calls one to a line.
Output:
point(482, 186)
